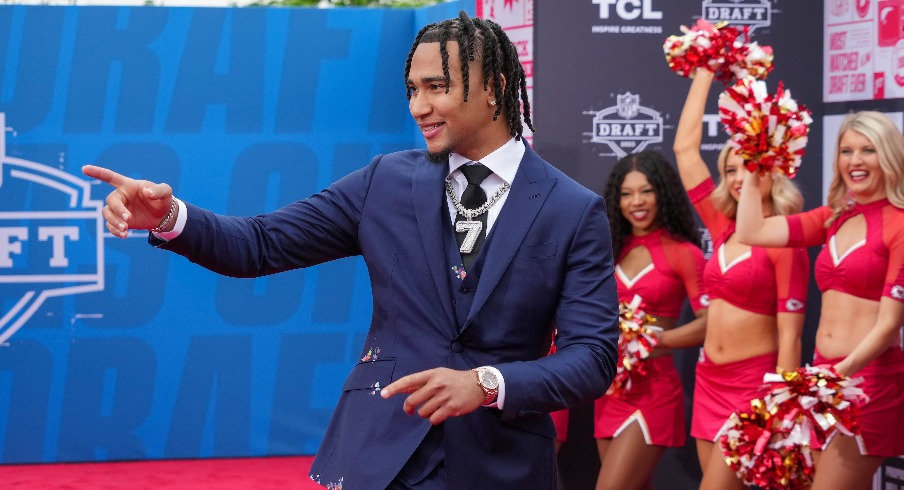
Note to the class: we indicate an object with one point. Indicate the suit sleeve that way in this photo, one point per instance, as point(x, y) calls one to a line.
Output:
point(587, 329)
point(310, 231)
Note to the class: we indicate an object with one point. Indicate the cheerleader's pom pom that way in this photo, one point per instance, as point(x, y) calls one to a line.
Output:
point(702, 46)
point(747, 60)
point(636, 340)
point(769, 131)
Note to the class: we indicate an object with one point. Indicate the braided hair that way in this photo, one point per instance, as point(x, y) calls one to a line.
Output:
point(484, 40)
point(674, 210)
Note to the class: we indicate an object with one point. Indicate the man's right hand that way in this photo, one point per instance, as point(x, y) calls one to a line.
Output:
point(133, 204)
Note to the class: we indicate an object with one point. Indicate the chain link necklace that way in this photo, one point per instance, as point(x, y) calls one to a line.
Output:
point(471, 226)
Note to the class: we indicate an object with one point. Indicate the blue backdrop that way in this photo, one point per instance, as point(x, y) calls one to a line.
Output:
point(113, 350)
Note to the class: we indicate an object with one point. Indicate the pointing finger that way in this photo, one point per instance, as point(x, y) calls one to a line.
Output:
point(405, 384)
point(105, 174)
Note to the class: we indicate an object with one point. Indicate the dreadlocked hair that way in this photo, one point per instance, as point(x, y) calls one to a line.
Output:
point(483, 40)
point(673, 209)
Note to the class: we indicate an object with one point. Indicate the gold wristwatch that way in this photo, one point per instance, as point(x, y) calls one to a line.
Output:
point(489, 383)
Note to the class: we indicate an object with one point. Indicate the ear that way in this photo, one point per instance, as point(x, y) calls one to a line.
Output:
point(492, 97)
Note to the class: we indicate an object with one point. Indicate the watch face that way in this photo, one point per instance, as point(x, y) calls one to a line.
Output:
point(488, 379)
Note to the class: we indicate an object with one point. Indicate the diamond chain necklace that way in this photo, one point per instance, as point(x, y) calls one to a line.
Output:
point(471, 213)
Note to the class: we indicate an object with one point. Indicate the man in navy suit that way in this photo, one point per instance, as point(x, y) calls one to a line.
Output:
point(466, 299)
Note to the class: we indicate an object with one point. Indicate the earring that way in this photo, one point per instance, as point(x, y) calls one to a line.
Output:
point(492, 102)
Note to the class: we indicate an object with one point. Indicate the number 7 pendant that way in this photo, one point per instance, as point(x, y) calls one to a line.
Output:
point(473, 229)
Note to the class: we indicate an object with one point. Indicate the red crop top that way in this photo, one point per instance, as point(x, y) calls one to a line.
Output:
point(765, 280)
point(871, 268)
point(675, 273)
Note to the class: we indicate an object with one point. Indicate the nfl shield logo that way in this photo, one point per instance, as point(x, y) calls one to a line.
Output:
point(627, 105)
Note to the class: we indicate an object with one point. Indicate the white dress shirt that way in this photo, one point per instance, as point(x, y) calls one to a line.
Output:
point(504, 163)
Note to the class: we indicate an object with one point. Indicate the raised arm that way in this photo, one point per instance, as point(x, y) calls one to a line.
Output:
point(689, 134)
point(133, 204)
point(753, 228)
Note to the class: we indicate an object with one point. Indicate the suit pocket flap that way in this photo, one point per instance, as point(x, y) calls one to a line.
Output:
point(370, 375)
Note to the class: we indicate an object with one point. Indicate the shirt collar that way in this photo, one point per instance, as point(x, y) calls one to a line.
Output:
point(503, 161)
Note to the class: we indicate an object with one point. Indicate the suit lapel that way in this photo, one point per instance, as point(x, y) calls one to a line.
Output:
point(529, 191)
point(427, 195)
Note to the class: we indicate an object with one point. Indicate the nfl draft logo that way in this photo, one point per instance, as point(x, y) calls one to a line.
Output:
point(753, 13)
point(51, 238)
point(628, 127)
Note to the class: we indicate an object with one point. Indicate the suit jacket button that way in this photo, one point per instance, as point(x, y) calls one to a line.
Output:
point(457, 347)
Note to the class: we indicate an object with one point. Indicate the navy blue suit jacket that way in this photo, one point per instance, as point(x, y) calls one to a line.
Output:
point(548, 264)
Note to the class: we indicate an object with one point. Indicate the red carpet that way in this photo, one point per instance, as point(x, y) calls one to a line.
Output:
point(219, 474)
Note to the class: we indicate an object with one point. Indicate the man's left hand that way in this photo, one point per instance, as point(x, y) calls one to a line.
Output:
point(438, 394)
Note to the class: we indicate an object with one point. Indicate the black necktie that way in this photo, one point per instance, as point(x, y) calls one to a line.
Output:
point(472, 198)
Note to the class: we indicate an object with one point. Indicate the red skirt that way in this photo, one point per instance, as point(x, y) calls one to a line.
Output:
point(655, 402)
point(882, 417)
point(721, 389)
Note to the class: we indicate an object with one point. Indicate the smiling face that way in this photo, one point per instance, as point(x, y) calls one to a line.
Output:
point(638, 203)
point(447, 121)
point(858, 166)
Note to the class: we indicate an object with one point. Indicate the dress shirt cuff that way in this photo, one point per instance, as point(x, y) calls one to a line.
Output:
point(500, 397)
point(180, 223)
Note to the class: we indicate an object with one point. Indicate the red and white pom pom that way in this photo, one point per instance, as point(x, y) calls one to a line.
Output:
point(768, 131)
point(825, 398)
point(722, 49)
point(636, 340)
point(746, 59)
point(701, 46)
point(763, 450)
point(768, 444)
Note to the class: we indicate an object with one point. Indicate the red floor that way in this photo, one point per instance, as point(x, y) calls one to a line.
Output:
point(219, 474)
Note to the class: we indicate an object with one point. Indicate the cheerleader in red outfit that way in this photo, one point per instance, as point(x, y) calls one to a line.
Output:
point(756, 295)
point(859, 272)
point(659, 259)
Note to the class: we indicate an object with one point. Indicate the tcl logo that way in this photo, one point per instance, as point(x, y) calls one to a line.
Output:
point(628, 9)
